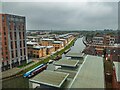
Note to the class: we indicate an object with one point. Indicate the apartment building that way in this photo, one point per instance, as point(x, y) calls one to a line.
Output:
point(39, 51)
point(50, 50)
point(64, 41)
point(30, 48)
point(46, 42)
point(13, 30)
point(58, 44)
point(68, 38)
point(98, 40)
point(103, 40)
point(109, 40)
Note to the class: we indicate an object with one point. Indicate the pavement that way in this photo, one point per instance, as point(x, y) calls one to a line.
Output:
point(15, 70)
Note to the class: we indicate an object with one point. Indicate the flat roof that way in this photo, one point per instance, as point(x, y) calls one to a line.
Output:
point(38, 47)
point(69, 63)
point(50, 78)
point(57, 42)
point(47, 39)
point(69, 54)
point(117, 68)
point(32, 43)
point(49, 46)
point(90, 73)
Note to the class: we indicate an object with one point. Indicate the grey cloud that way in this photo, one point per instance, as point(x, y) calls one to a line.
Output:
point(63, 15)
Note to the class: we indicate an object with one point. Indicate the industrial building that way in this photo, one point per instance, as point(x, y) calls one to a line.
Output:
point(48, 79)
point(90, 74)
point(13, 32)
point(85, 75)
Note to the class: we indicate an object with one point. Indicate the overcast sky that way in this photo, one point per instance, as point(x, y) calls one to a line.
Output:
point(66, 15)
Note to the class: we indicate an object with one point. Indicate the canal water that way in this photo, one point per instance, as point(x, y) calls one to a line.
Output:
point(21, 82)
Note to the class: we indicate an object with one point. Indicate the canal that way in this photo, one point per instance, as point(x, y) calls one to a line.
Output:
point(21, 82)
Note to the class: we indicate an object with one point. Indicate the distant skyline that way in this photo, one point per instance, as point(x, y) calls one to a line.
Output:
point(65, 15)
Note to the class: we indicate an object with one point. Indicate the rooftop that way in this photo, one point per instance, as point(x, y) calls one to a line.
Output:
point(32, 43)
point(47, 39)
point(98, 37)
point(63, 35)
point(117, 68)
point(38, 47)
point(49, 46)
point(62, 39)
point(50, 78)
point(32, 37)
point(74, 54)
point(68, 63)
point(57, 42)
point(90, 74)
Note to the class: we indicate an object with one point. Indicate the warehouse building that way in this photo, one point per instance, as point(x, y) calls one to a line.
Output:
point(90, 74)
point(48, 79)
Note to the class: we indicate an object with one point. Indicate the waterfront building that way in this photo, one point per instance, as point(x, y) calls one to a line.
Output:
point(69, 38)
point(13, 30)
point(64, 41)
point(46, 42)
point(50, 50)
point(104, 40)
point(33, 38)
point(57, 44)
point(98, 40)
point(30, 48)
point(39, 51)
point(109, 40)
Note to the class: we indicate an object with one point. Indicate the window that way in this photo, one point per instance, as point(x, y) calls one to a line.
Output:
point(15, 35)
point(16, 53)
point(4, 38)
point(11, 45)
point(5, 43)
point(24, 51)
point(2, 63)
point(15, 44)
point(20, 43)
point(3, 18)
point(3, 28)
point(6, 57)
point(23, 35)
point(11, 35)
point(20, 35)
point(21, 52)
point(24, 43)
point(12, 54)
point(4, 33)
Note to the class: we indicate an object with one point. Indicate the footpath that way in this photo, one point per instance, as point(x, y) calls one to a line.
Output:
point(15, 70)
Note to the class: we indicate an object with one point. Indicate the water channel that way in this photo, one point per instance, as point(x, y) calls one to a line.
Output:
point(21, 82)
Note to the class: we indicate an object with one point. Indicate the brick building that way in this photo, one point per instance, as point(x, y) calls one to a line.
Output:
point(104, 40)
point(50, 50)
point(64, 41)
point(30, 48)
point(39, 51)
point(46, 42)
point(58, 44)
point(13, 31)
